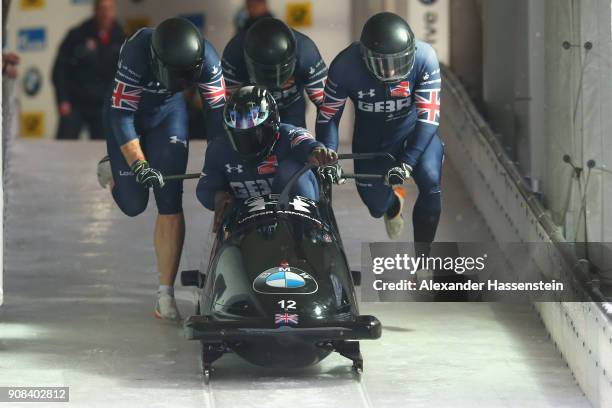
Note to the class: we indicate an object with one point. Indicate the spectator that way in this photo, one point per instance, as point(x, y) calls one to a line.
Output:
point(252, 11)
point(84, 71)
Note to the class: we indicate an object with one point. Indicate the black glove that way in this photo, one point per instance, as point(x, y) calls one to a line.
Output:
point(397, 175)
point(331, 174)
point(147, 176)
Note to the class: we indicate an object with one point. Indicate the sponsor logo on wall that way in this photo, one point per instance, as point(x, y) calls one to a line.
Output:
point(32, 39)
point(430, 21)
point(32, 81)
point(32, 4)
point(299, 14)
point(33, 124)
point(78, 2)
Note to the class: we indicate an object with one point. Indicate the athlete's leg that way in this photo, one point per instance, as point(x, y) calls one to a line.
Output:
point(427, 175)
point(167, 151)
point(130, 196)
point(375, 194)
point(305, 186)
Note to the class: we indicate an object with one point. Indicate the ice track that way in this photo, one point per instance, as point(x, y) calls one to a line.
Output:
point(79, 292)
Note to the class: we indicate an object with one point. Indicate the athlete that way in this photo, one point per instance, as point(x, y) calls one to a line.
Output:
point(285, 61)
point(394, 82)
point(147, 132)
point(258, 156)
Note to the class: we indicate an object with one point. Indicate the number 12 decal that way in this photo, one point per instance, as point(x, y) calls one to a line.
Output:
point(287, 304)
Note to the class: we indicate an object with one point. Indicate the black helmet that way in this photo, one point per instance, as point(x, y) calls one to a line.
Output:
point(252, 123)
point(388, 47)
point(177, 54)
point(270, 52)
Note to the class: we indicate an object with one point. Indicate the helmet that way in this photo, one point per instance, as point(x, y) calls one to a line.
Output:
point(388, 47)
point(270, 53)
point(177, 54)
point(252, 123)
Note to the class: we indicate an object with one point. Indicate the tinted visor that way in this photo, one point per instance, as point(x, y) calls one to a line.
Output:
point(251, 143)
point(269, 76)
point(389, 67)
point(177, 79)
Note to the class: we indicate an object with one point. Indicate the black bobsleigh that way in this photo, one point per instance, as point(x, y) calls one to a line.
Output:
point(278, 290)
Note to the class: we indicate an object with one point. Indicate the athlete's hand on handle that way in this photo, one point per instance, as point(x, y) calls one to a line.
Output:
point(322, 156)
point(332, 174)
point(397, 175)
point(146, 175)
point(223, 202)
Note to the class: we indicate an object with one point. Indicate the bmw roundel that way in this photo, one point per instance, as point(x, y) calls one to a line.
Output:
point(285, 279)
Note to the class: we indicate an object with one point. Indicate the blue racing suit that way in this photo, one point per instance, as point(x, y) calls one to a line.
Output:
point(309, 75)
point(400, 118)
point(140, 108)
point(224, 170)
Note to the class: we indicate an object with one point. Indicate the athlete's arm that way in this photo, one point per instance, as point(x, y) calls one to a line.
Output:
point(314, 70)
point(125, 99)
point(330, 112)
point(232, 63)
point(427, 101)
point(212, 91)
point(213, 178)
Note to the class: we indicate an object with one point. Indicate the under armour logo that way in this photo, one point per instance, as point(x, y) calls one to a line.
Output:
point(175, 139)
point(215, 69)
point(237, 168)
point(311, 71)
point(371, 93)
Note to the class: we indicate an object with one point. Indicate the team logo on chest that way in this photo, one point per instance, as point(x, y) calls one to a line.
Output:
point(268, 166)
point(231, 169)
point(401, 90)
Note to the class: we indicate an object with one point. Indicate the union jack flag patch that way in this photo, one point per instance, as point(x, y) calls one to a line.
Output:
point(330, 107)
point(428, 106)
point(300, 138)
point(125, 96)
point(213, 93)
point(285, 318)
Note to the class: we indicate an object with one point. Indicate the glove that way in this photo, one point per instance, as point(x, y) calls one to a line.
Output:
point(146, 175)
point(331, 174)
point(322, 156)
point(397, 175)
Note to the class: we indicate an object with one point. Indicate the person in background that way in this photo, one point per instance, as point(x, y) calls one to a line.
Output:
point(84, 70)
point(253, 10)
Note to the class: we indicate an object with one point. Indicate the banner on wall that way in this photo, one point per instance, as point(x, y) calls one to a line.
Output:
point(430, 20)
point(299, 15)
point(133, 24)
point(33, 124)
point(32, 4)
point(32, 39)
point(198, 20)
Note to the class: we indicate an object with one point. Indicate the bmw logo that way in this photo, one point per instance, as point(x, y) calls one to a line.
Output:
point(32, 81)
point(285, 279)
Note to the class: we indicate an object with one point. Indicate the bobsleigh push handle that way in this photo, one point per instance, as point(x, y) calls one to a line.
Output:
point(283, 201)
